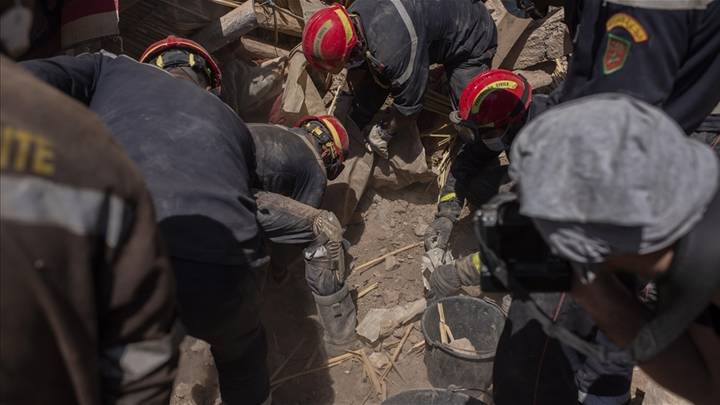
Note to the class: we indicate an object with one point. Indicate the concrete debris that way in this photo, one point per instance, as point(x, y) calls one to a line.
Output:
point(420, 228)
point(463, 344)
point(381, 322)
point(390, 263)
point(379, 360)
point(547, 42)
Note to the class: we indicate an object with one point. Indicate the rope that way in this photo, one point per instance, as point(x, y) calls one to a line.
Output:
point(542, 354)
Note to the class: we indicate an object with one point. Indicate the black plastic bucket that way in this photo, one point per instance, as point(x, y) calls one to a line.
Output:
point(431, 397)
point(478, 320)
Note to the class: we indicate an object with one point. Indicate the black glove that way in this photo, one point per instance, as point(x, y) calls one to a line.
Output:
point(444, 281)
point(438, 233)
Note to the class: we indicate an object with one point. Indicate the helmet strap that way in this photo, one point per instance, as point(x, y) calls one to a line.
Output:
point(181, 58)
point(329, 152)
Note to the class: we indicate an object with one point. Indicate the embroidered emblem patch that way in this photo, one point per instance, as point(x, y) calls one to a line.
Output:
point(616, 54)
point(629, 24)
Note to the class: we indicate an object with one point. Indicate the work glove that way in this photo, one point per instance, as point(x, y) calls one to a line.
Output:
point(438, 233)
point(378, 139)
point(431, 260)
point(444, 281)
point(326, 224)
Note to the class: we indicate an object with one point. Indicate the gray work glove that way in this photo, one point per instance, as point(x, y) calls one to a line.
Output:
point(444, 281)
point(438, 233)
point(326, 223)
point(378, 139)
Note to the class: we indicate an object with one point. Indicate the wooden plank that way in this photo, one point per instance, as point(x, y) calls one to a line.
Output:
point(258, 49)
point(272, 18)
point(243, 19)
point(228, 28)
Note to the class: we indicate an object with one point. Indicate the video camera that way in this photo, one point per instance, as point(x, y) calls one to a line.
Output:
point(514, 255)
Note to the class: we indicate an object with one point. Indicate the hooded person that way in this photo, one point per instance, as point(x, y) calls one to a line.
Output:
point(293, 167)
point(197, 157)
point(87, 304)
point(494, 107)
point(632, 195)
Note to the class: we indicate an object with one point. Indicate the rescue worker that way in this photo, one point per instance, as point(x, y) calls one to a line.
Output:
point(87, 296)
point(388, 48)
point(662, 52)
point(493, 108)
point(632, 196)
point(197, 157)
point(293, 167)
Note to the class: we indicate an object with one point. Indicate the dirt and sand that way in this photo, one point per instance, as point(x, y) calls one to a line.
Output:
point(385, 221)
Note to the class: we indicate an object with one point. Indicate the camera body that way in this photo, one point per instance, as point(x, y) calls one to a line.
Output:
point(514, 255)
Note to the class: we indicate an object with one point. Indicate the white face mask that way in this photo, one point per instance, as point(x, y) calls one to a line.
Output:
point(495, 144)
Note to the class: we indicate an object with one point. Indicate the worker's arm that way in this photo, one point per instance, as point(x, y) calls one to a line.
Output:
point(138, 344)
point(690, 366)
point(616, 45)
point(368, 96)
point(284, 220)
point(470, 162)
point(408, 83)
point(447, 279)
point(72, 75)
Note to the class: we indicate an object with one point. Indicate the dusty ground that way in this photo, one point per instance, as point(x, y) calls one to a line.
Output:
point(386, 221)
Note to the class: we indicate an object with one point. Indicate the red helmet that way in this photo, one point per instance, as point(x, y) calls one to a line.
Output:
point(328, 38)
point(154, 55)
point(327, 129)
point(494, 99)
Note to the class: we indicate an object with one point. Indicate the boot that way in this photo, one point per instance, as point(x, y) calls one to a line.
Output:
point(338, 317)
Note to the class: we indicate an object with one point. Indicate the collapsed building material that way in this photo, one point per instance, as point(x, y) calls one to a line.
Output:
point(381, 322)
point(246, 17)
point(260, 50)
point(228, 28)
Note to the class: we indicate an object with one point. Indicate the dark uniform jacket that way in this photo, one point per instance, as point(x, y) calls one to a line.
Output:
point(195, 153)
point(287, 166)
point(86, 295)
point(668, 58)
point(407, 36)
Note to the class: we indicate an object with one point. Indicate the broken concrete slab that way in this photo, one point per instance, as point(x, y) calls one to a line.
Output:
point(381, 322)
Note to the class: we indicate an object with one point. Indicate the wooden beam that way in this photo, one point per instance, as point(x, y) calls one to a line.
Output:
point(245, 18)
point(228, 28)
point(261, 50)
point(272, 18)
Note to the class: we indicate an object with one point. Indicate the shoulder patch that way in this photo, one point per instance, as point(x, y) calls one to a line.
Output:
point(629, 24)
point(616, 54)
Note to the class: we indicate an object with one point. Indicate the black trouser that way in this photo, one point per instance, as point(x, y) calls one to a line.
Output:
point(221, 305)
point(531, 368)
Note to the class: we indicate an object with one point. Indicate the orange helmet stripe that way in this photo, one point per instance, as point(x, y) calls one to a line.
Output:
point(333, 132)
point(345, 21)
